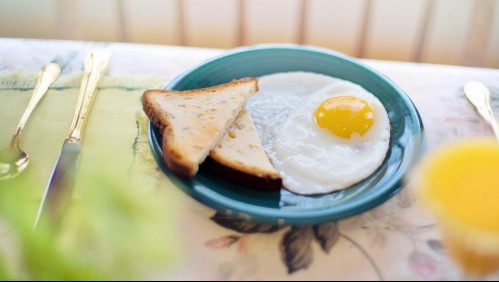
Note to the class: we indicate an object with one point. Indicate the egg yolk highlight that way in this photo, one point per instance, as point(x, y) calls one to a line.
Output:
point(344, 116)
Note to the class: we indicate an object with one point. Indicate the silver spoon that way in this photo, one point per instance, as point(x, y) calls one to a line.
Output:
point(13, 160)
point(479, 95)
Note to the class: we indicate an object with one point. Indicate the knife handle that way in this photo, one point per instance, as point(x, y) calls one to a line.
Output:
point(96, 65)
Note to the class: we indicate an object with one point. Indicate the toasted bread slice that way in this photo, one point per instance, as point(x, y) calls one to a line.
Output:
point(192, 122)
point(240, 157)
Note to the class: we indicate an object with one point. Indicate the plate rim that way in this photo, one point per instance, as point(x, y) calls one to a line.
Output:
point(269, 215)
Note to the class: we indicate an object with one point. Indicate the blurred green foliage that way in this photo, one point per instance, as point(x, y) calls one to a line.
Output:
point(112, 231)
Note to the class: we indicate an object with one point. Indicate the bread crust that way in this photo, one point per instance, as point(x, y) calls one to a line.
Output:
point(240, 156)
point(214, 88)
point(172, 157)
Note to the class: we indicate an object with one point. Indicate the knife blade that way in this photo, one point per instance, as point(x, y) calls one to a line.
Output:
point(60, 187)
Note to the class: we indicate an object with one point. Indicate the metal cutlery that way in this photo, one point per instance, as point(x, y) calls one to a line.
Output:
point(13, 160)
point(59, 189)
point(479, 96)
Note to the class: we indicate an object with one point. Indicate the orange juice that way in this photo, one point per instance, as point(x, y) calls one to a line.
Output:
point(460, 184)
point(472, 259)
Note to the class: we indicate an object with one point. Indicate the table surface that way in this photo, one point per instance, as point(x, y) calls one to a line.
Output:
point(397, 240)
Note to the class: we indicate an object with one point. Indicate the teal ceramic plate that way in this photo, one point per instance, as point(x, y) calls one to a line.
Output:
point(284, 207)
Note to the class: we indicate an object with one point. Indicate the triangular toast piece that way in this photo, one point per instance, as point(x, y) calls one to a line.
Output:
point(240, 157)
point(192, 122)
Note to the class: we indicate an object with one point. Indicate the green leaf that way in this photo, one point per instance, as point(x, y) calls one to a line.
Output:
point(111, 231)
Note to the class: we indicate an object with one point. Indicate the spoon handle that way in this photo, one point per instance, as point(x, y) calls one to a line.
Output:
point(479, 96)
point(493, 123)
point(46, 77)
point(96, 64)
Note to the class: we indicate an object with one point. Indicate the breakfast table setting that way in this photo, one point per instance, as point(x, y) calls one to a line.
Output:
point(156, 225)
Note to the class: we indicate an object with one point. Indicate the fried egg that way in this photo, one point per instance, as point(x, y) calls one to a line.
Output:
point(324, 139)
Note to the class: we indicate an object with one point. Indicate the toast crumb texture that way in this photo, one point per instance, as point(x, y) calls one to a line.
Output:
point(192, 122)
point(239, 156)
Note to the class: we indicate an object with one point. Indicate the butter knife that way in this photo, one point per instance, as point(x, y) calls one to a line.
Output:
point(60, 187)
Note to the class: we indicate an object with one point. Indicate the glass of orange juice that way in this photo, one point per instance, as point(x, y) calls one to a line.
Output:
point(459, 183)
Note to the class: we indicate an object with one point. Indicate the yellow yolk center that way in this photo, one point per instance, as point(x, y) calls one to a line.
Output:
point(344, 116)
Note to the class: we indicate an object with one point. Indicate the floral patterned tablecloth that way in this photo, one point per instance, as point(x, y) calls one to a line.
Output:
point(396, 241)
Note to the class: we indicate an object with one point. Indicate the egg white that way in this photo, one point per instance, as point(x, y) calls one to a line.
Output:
point(310, 159)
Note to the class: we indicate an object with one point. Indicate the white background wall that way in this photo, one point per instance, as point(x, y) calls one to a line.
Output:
point(462, 32)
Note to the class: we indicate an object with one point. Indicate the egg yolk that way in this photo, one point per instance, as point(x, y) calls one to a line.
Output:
point(344, 116)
